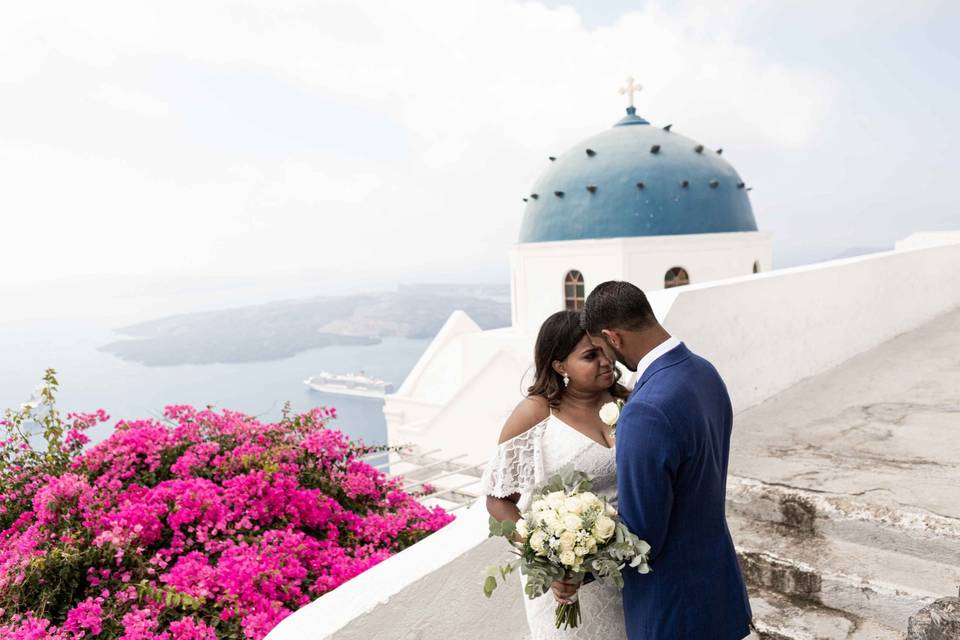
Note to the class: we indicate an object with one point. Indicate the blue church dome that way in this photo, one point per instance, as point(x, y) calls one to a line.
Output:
point(636, 180)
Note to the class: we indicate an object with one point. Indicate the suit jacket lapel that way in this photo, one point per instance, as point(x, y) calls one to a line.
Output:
point(670, 358)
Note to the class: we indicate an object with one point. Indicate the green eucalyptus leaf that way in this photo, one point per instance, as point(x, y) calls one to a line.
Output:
point(489, 585)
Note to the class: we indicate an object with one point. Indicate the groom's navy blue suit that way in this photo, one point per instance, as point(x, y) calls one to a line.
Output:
point(673, 444)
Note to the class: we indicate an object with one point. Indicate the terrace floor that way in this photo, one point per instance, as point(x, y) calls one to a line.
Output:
point(883, 427)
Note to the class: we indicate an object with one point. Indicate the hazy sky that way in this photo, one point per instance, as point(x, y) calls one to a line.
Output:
point(378, 141)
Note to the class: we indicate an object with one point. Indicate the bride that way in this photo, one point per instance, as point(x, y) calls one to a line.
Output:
point(557, 424)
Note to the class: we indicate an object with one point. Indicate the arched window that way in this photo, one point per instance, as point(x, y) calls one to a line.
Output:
point(756, 266)
point(676, 277)
point(573, 291)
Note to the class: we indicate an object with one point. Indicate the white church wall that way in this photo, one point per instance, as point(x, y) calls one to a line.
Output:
point(441, 379)
point(470, 422)
point(488, 361)
point(539, 269)
point(706, 258)
point(426, 389)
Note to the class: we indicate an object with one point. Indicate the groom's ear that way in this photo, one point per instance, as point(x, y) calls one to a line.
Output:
point(612, 337)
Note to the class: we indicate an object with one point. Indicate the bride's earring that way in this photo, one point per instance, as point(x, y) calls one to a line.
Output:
point(566, 380)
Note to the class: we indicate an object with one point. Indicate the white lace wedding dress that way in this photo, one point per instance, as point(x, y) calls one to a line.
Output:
point(523, 465)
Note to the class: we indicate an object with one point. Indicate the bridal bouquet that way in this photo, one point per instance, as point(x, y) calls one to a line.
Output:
point(567, 532)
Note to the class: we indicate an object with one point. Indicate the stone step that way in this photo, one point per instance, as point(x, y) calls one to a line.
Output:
point(872, 523)
point(778, 617)
point(874, 584)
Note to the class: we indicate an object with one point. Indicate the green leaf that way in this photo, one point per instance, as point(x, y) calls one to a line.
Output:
point(489, 585)
point(502, 528)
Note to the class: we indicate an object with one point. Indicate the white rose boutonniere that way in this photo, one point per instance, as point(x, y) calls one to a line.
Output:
point(609, 414)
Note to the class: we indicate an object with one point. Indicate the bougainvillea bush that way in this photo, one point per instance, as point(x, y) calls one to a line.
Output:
point(206, 525)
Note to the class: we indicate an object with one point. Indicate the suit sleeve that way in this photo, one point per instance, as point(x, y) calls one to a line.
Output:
point(648, 456)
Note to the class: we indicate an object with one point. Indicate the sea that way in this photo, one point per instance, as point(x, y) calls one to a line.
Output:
point(91, 379)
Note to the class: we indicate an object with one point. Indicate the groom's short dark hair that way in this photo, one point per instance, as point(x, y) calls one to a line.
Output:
point(616, 305)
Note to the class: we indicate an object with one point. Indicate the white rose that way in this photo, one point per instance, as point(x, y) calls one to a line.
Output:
point(610, 510)
point(573, 504)
point(522, 530)
point(567, 541)
point(572, 522)
point(551, 521)
point(540, 505)
point(538, 542)
point(588, 499)
point(610, 413)
point(568, 558)
point(604, 527)
point(555, 499)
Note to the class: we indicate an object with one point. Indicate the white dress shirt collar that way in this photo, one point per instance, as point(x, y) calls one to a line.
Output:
point(667, 345)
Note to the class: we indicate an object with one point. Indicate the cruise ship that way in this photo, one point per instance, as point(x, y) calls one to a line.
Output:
point(349, 384)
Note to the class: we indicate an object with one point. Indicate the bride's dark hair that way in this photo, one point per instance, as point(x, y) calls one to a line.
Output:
point(558, 336)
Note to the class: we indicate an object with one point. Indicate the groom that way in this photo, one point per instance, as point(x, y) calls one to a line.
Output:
point(673, 444)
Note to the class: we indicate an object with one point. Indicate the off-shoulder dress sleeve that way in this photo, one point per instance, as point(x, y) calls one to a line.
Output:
point(517, 466)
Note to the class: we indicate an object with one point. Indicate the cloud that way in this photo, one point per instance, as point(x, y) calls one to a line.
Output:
point(126, 100)
point(141, 137)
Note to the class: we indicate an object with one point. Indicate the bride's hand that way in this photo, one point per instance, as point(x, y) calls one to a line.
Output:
point(563, 592)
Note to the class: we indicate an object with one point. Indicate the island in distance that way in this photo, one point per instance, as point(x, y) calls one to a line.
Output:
point(284, 328)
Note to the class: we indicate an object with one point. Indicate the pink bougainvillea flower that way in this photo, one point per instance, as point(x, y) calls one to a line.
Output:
point(216, 525)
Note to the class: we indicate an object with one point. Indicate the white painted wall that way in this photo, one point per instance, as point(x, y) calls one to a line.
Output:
point(767, 332)
point(923, 239)
point(489, 367)
point(538, 269)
